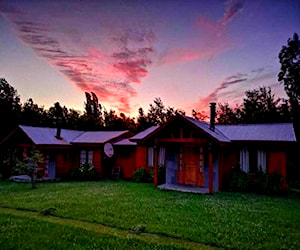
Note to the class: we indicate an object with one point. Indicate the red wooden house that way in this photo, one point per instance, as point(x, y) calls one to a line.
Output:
point(197, 154)
point(63, 149)
point(193, 153)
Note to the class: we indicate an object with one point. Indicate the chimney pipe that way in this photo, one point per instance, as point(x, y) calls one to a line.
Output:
point(58, 128)
point(212, 116)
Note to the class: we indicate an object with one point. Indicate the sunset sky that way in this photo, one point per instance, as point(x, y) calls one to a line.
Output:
point(128, 52)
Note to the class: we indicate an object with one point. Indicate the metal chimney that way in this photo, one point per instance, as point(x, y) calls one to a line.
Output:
point(212, 116)
point(58, 128)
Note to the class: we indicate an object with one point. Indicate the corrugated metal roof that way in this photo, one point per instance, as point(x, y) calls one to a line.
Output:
point(144, 134)
point(98, 136)
point(259, 132)
point(125, 142)
point(218, 135)
point(46, 136)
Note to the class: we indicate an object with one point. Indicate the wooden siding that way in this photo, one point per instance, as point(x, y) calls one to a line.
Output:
point(126, 160)
point(141, 157)
point(63, 163)
point(277, 162)
point(97, 162)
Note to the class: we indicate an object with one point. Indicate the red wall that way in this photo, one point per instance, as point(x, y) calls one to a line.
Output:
point(97, 154)
point(141, 157)
point(277, 162)
point(127, 162)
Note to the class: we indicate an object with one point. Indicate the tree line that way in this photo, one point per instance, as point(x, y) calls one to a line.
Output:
point(258, 106)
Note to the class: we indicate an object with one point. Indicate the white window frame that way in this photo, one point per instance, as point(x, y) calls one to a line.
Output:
point(86, 156)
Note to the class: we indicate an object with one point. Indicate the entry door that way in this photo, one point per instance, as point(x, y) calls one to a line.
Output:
point(51, 167)
point(191, 166)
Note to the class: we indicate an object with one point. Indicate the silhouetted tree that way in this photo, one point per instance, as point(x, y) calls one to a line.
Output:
point(289, 76)
point(92, 119)
point(228, 115)
point(32, 114)
point(200, 116)
point(142, 121)
point(260, 106)
point(72, 117)
point(157, 114)
point(10, 108)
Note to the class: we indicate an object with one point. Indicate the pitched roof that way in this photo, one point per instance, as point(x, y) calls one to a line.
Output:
point(46, 136)
point(98, 136)
point(125, 142)
point(259, 132)
point(218, 135)
point(144, 134)
point(276, 132)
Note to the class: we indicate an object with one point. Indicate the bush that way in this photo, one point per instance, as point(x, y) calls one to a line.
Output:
point(258, 182)
point(274, 184)
point(141, 175)
point(86, 172)
point(238, 181)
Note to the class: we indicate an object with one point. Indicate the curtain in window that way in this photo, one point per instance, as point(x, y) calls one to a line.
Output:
point(90, 157)
point(244, 159)
point(161, 156)
point(262, 160)
point(150, 156)
point(82, 157)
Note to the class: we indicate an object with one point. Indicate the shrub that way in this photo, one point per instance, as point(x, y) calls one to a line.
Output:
point(238, 181)
point(258, 182)
point(274, 183)
point(141, 175)
point(85, 172)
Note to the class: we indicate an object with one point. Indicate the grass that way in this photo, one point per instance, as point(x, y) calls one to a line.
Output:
point(225, 220)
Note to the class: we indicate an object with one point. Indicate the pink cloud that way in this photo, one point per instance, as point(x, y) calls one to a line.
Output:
point(111, 75)
point(181, 55)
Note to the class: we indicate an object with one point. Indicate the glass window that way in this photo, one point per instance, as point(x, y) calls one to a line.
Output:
point(244, 159)
point(262, 160)
point(161, 156)
point(86, 156)
point(150, 156)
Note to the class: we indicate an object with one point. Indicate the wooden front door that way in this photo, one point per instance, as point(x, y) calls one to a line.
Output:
point(191, 166)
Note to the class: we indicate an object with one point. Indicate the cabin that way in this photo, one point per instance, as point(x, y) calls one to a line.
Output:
point(65, 149)
point(199, 155)
point(184, 152)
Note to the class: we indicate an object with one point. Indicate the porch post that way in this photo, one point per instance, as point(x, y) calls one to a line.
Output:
point(210, 170)
point(155, 166)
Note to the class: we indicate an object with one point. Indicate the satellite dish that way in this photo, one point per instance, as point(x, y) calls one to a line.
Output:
point(108, 150)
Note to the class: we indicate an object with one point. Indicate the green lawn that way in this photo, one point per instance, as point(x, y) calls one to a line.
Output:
point(225, 220)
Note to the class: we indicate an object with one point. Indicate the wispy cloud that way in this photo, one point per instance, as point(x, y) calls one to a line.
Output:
point(218, 92)
point(233, 87)
point(214, 37)
point(233, 7)
point(110, 74)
